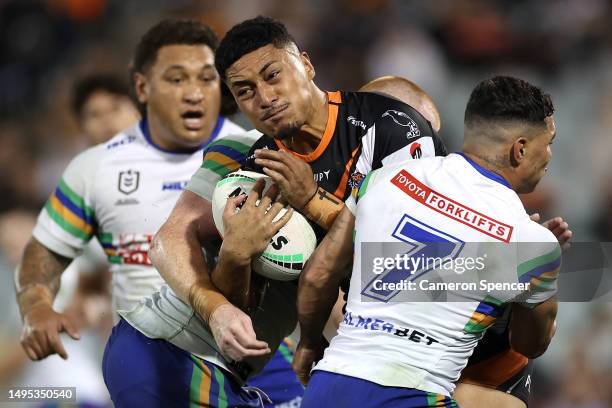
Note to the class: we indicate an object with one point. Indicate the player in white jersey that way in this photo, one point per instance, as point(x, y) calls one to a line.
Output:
point(410, 353)
point(123, 190)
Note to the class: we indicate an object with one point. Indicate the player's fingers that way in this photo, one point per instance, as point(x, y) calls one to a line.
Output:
point(282, 200)
point(237, 352)
point(560, 229)
point(55, 344)
point(535, 217)
point(70, 328)
point(552, 223)
point(277, 166)
point(272, 192)
point(268, 197)
point(248, 339)
point(565, 238)
point(276, 177)
point(269, 154)
point(36, 349)
point(41, 344)
point(232, 204)
point(274, 210)
point(29, 352)
point(284, 219)
point(256, 192)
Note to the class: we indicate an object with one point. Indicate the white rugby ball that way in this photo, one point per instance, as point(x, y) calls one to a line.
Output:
point(289, 249)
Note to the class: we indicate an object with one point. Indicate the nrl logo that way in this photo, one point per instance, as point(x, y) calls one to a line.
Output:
point(402, 119)
point(128, 181)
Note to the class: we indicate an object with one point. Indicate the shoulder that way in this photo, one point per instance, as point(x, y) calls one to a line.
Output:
point(531, 231)
point(86, 162)
point(240, 141)
point(127, 137)
point(230, 127)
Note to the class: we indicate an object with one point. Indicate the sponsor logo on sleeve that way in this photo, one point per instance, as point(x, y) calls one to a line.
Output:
point(402, 119)
point(451, 208)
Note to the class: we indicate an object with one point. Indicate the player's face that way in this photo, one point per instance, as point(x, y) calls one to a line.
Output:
point(538, 156)
point(273, 88)
point(105, 114)
point(183, 96)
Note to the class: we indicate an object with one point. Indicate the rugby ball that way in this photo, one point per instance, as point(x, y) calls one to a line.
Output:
point(289, 249)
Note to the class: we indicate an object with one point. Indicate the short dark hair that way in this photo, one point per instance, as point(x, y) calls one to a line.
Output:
point(90, 84)
point(177, 32)
point(505, 98)
point(248, 36)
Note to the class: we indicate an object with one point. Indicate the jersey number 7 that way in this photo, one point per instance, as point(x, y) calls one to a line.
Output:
point(428, 247)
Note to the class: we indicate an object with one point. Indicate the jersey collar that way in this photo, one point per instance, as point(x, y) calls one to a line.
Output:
point(144, 128)
point(486, 172)
point(333, 100)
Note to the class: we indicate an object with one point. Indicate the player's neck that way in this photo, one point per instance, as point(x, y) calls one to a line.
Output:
point(312, 131)
point(161, 136)
point(492, 166)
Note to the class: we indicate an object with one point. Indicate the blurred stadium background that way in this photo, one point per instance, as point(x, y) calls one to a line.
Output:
point(446, 46)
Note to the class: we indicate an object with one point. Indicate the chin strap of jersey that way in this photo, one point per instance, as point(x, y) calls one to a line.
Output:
point(323, 208)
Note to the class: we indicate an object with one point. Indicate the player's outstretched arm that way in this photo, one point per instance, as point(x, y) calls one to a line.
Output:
point(176, 252)
point(318, 290)
point(532, 329)
point(37, 281)
point(296, 183)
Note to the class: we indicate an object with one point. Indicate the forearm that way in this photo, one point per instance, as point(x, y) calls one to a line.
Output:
point(531, 330)
point(178, 257)
point(316, 299)
point(37, 278)
point(319, 281)
point(323, 208)
point(176, 253)
point(233, 277)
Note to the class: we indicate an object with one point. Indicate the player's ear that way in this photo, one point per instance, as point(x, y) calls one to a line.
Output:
point(519, 150)
point(140, 87)
point(310, 71)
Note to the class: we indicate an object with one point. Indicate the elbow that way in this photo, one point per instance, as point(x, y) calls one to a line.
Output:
point(531, 350)
point(314, 278)
point(533, 347)
point(156, 248)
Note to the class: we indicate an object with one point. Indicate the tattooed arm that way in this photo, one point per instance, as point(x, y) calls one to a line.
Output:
point(37, 281)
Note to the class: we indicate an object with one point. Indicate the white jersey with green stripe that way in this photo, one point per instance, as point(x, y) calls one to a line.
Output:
point(121, 192)
point(446, 208)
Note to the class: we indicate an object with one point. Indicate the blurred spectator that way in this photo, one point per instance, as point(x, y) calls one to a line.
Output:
point(102, 106)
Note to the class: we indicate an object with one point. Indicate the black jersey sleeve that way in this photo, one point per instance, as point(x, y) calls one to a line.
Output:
point(401, 133)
